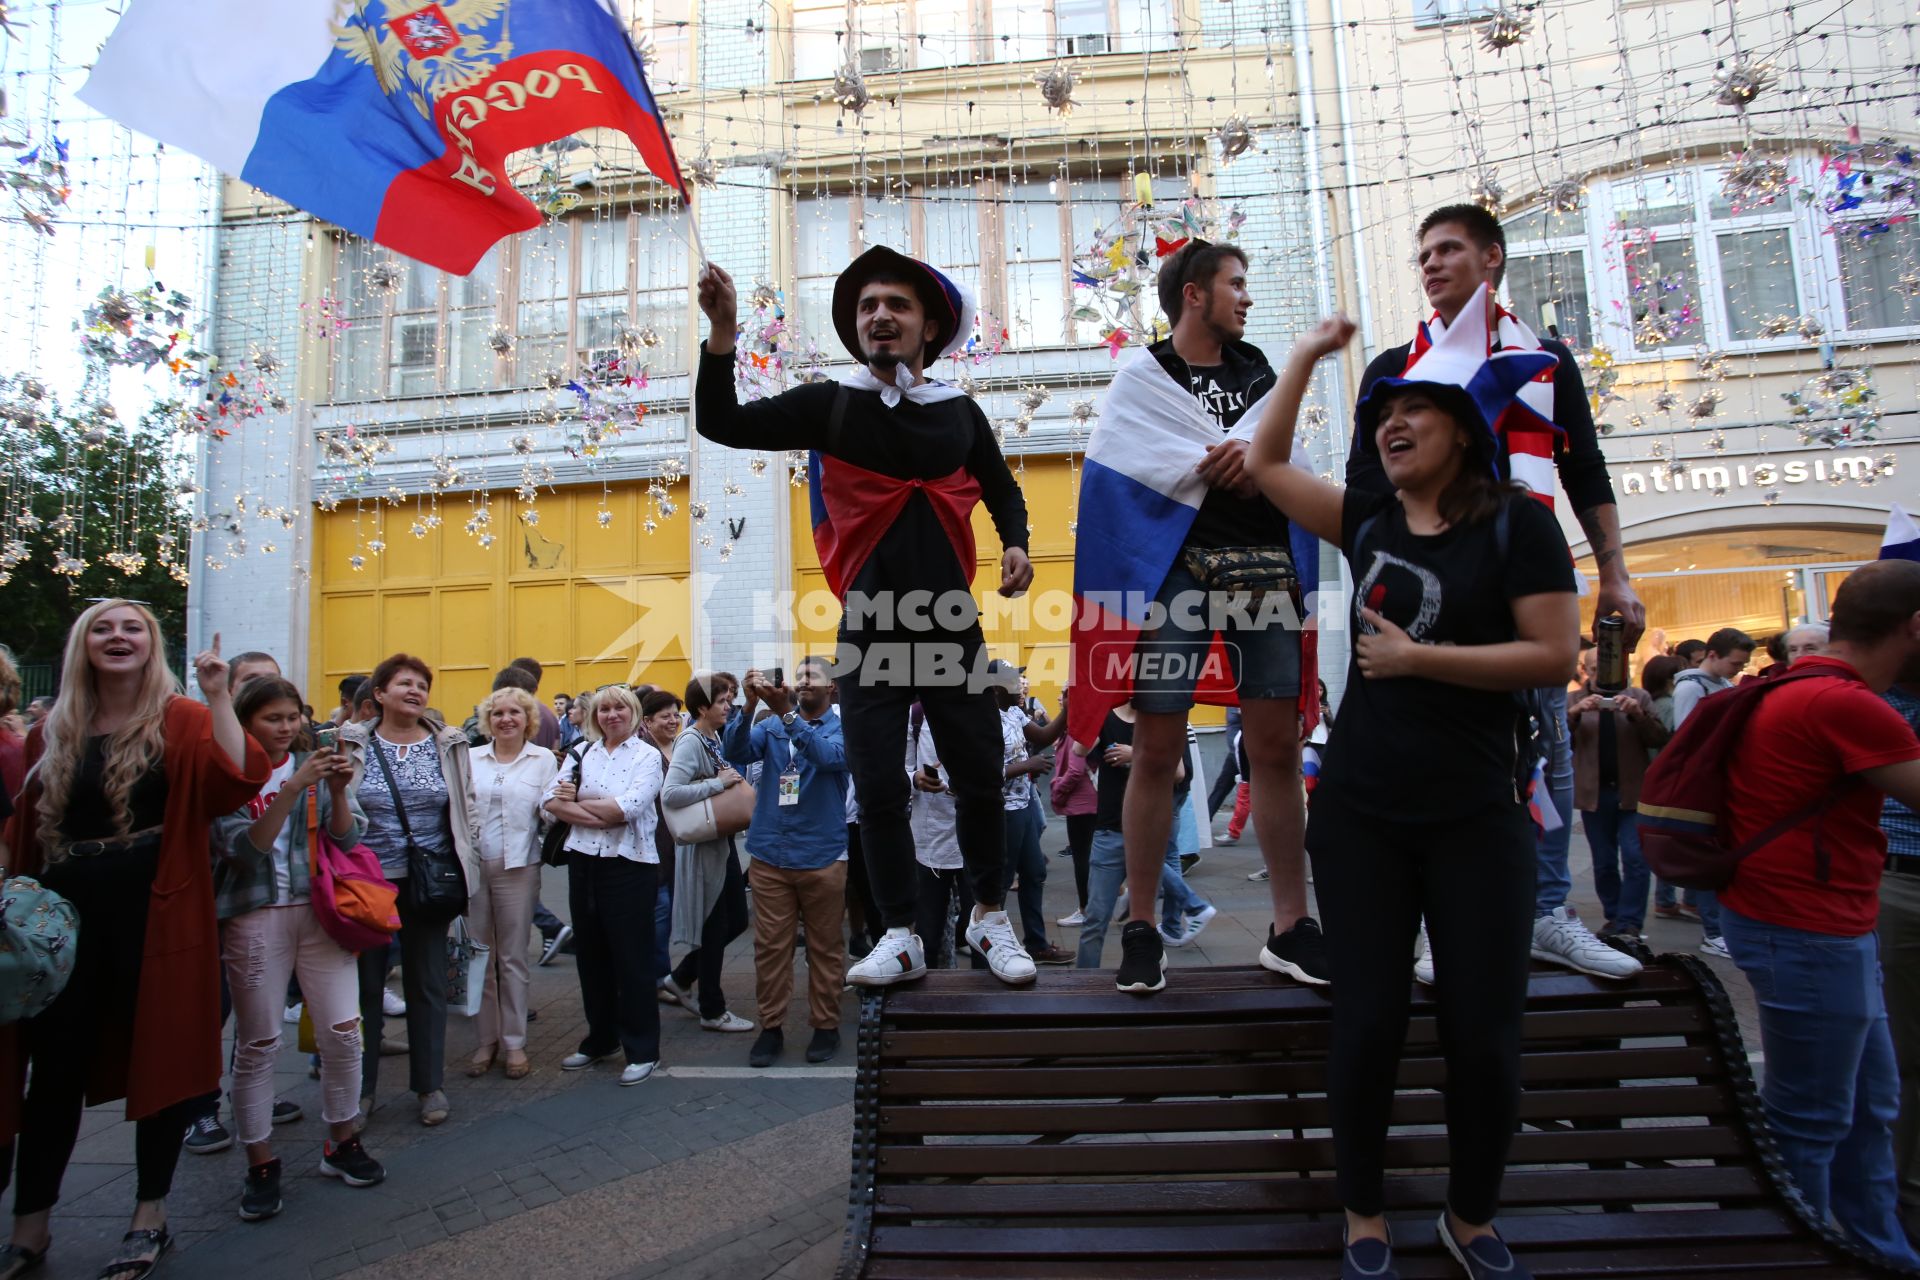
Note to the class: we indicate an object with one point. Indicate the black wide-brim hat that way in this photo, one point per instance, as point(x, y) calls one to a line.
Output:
point(950, 306)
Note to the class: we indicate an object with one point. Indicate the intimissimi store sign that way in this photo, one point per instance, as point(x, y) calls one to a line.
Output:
point(1713, 478)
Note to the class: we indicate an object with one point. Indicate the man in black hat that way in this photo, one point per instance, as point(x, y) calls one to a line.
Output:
point(899, 462)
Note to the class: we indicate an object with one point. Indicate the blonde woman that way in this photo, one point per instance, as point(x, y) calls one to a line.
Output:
point(509, 778)
point(613, 875)
point(125, 778)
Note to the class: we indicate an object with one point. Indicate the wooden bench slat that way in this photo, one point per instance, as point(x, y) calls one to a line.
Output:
point(1260, 1036)
point(1191, 1116)
point(1625, 1232)
point(989, 1159)
point(1234, 1078)
point(1540, 1187)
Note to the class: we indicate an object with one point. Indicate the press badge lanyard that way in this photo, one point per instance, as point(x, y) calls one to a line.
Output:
point(790, 778)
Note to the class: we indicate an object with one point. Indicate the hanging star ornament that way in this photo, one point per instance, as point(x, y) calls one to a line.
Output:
point(1738, 85)
point(1567, 195)
point(702, 170)
point(1235, 137)
point(1754, 181)
point(1505, 29)
point(1056, 88)
point(1487, 191)
point(850, 89)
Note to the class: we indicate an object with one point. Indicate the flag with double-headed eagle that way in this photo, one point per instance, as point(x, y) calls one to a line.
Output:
point(390, 118)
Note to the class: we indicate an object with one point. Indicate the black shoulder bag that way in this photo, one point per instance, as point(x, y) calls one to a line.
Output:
point(553, 846)
point(436, 887)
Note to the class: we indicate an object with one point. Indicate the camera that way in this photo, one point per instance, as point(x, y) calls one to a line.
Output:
point(1609, 703)
point(326, 738)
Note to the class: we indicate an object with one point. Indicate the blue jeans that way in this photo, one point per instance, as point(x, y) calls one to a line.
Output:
point(1832, 1087)
point(1025, 860)
point(1185, 829)
point(1619, 874)
point(1177, 898)
point(1552, 880)
point(1107, 874)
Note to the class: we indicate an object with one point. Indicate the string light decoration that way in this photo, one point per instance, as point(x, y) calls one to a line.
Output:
point(1504, 29)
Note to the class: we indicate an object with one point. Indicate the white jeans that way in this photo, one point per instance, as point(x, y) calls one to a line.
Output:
point(500, 914)
point(261, 948)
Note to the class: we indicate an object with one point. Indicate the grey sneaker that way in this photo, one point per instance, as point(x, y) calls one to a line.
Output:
point(207, 1136)
point(1563, 938)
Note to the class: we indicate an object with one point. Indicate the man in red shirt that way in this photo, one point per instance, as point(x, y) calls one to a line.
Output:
point(1799, 916)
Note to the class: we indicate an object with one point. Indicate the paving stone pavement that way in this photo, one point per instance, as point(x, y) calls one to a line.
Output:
point(709, 1170)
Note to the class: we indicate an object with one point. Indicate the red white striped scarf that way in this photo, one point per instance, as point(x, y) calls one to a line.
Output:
point(1527, 426)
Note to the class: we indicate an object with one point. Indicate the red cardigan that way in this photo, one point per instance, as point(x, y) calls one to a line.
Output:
point(176, 1026)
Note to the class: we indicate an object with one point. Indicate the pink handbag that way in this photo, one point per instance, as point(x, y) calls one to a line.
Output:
point(352, 897)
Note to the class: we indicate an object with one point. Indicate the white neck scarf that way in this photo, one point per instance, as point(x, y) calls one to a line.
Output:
point(925, 391)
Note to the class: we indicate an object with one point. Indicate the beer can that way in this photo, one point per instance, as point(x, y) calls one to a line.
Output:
point(1610, 667)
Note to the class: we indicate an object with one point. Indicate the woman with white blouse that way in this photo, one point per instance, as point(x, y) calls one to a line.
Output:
point(510, 778)
point(613, 877)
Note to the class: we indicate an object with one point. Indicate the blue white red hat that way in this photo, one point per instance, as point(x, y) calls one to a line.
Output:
point(945, 301)
point(1461, 364)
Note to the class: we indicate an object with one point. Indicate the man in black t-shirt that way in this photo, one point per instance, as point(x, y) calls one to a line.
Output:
point(1462, 248)
point(1203, 290)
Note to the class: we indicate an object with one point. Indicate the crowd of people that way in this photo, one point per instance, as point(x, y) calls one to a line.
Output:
point(229, 856)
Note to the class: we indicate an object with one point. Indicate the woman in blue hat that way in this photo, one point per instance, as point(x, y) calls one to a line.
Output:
point(1464, 595)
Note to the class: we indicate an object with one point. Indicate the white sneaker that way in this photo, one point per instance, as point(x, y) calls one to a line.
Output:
point(1562, 938)
point(728, 1021)
point(1172, 939)
point(1259, 875)
point(391, 1003)
point(581, 1061)
point(992, 936)
point(897, 957)
point(1716, 947)
point(291, 1016)
point(1073, 921)
point(1200, 920)
point(1423, 967)
point(638, 1071)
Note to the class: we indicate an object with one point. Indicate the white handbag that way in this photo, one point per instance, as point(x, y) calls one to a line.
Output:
point(467, 959)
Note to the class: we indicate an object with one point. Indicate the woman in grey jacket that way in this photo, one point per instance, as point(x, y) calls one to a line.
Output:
point(268, 930)
point(709, 894)
point(429, 764)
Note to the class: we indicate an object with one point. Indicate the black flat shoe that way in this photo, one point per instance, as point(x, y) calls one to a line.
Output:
point(17, 1260)
point(135, 1262)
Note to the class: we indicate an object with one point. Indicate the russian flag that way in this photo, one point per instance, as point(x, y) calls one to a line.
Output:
point(390, 118)
point(1138, 498)
point(1902, 540)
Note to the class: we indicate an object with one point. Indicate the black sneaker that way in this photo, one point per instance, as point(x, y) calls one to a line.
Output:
point(1143, 961)
point(1300, 953)
point(207, 1135)
point(285, 1112)
point(349, 1162)
point(1188, 861)
point(766, 1047)
point(261, 1199)
point(825, 1043)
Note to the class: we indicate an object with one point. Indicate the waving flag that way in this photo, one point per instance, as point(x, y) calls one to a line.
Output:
point(391, 118)
point(1138, 498)
point(1902, 541)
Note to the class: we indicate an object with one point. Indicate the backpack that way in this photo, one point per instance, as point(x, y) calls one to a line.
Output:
point(1683, 799)
point(355, 902)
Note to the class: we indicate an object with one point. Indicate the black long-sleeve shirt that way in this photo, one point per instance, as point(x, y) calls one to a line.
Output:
point(908, 442)
point(1582, 467)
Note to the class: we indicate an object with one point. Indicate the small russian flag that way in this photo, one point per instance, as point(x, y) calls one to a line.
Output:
point(1540, 800)
point(1902, 540)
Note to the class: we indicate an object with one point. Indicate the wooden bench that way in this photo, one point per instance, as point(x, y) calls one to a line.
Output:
point(1067, 1130)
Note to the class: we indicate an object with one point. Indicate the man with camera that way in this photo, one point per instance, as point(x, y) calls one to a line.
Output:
point(1613, 728)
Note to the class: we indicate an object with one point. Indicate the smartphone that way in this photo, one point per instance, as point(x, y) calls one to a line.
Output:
point(1609, 704)
point(777, 678)
point(326, 738)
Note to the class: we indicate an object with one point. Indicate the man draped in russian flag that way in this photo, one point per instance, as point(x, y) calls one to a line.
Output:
point(899, 462)
point(1548, 426)
point(1188, 587)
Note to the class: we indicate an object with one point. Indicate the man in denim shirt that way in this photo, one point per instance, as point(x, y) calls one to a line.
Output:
point(1900, 959)
point(798, 850)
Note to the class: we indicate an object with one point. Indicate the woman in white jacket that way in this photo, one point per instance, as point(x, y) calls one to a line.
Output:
point(510, 776)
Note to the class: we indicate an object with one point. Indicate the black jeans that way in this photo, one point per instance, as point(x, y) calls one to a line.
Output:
point(862, 910)
point(110, 893)
point(1080, 845)
point(423, 981)
point(1025, 860)
point(938, 889)
point(612, 901)
point(1224, 784)
point(1473, 880)
point(966, 733)
point(727, 921)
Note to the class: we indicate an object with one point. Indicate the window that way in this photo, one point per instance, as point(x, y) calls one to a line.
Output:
point(1879, 274)
point(1431, 13)
point(605, 276)
point(665, 27)
point(1665, 265)
point(412, 330)
point(1012, 242)
point(544, 279)
point(889, 35)
point(473, 309)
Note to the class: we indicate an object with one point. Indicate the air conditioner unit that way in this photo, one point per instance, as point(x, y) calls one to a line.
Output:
point(1085, 46)
point(878, 58)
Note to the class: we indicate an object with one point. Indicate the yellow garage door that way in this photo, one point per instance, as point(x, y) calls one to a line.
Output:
point(595, 604)
point(1034, 631)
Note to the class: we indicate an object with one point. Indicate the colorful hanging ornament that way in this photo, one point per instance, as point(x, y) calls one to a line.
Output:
point(1738, 85)
point(1754, 181)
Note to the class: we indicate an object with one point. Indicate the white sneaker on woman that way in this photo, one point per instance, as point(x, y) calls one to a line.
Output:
point(1563, 938)
point(897, 957)
point(728, 1021)
point(992, 937)
point(635, 1072)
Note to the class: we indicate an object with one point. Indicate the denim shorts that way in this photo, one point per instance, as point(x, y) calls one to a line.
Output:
point(1264, 659)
